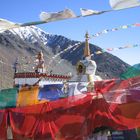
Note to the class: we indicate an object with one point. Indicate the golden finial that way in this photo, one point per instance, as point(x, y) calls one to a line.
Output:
point(40, 55)
point(87, 49)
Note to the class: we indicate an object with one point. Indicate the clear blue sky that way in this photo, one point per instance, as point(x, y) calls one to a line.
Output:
point(22, 11)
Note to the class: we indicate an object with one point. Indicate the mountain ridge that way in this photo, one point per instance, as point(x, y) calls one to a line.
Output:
point(28, 41)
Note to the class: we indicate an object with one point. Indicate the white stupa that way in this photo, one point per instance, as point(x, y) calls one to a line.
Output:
point(86, 68)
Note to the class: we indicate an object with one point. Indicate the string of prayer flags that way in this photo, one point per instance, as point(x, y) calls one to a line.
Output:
point(116, 48)
point(66, 49)
point(119, 48)
point(105, 31)
point(44, 18)
point(68, 13)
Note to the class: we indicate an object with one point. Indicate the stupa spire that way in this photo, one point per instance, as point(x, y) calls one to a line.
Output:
point(86, 49)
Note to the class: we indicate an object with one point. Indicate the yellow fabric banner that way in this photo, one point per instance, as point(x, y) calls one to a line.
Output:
point(28, 96)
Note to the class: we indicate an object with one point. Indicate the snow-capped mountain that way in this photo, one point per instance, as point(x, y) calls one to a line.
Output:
point(32, 36)
point(61, 53)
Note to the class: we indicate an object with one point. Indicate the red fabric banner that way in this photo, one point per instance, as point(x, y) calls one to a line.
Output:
point(3, 125)
point(115, 104)
point(66, 119)
point(119, 91)
point(71, 118)
point(116, 116)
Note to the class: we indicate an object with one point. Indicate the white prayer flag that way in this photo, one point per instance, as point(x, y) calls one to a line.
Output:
point(87, 12)
point(122, 4)
point(105, 31)
point(124, 27)
point(5, 25)
point(48, 17)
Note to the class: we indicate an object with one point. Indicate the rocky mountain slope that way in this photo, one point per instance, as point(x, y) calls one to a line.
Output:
point(61, 54)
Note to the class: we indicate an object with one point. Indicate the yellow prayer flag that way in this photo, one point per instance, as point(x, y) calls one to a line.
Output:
point(99, 52)
point(28, 95)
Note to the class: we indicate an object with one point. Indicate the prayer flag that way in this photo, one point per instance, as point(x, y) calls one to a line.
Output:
point(119, 91)
point(3, 124)
point(132, 71)
point(110, 49)
point(105, 31)
point(137, 24)
point(87, 12)
point(124, 27)
point(65, 14)
point(8, 98)
point(5, 25)
point(98, 52)
point(28, 95)
point(122, 4)
point(51, 92)
point(114, 29)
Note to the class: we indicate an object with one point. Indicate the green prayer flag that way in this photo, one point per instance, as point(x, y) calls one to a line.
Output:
point(131, 72)
point(8, 98)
